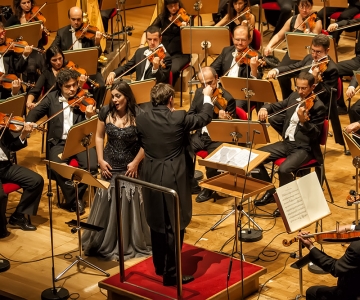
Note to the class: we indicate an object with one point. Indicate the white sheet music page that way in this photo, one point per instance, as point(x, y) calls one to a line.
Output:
point(237, 157)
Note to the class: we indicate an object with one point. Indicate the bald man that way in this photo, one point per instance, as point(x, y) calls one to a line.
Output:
point(65, 39)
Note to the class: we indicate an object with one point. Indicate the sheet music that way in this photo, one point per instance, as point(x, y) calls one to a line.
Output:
point(233, 156)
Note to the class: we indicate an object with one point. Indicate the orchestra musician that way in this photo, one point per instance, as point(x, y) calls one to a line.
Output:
point(31, 182)
point(163, 134)
point(325, 80)
point(58, 127)
point(346, 269)
point(159, 68)
point(55, 61)
point(11, 63)
point(66, 39)
point(354, 112)
point(201, 140)
point(171, 37)
point(235, 8)
point(301, 133)
point(347, 66)
point(227, 60)
point(13, 91)
point(293, 24)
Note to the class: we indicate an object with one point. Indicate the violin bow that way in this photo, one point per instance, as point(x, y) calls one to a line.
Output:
point(134, 66)
point(172, 22)
point(297, 103)
point(77, 39)
point(237, 17)
point(35, 14)
point(7, 49)
point(242, 56)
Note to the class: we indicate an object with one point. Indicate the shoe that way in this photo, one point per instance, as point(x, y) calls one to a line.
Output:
point(205, 195)
point(276, 213)
point(195, 190)
point(342, 110)
point(81, 207)
point(266, 199)
point(4, 234)
point(172, 280)
point(22, 222)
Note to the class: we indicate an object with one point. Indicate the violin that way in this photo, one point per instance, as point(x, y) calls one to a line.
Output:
point(159, 52)
point(219, 102)
point(14, 123)
point(89, 32)
point(181, 17)
point(245, 57)
point(16, 46)
point(81, 71)
point(309, 24)
point(34, 14)
point(6, 81)
point(81, 101)
point(327, 237)
point(308, 103)
point(322, 65)
point(245, 13)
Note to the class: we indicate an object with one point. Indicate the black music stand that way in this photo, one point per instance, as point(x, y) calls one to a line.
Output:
point(85, 58)
point(30, 32)
point(299, 45)
point(355, 153)
point(141, 90)
point(80, 137)
point(77, 176)
point(208, 39)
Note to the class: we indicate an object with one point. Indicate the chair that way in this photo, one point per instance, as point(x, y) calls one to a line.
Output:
point(256, 42)
point(181, 79)
point(313, 163)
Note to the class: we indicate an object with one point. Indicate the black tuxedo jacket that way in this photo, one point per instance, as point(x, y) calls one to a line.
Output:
point(346, 268)
point(197, 104)
point(355, 28)
point(330, 77)
point(48, 107)
point(306, 136)
point(10, 142)
point(164, 136)
point(162, 75)
point(223, 63)
point(63, 40)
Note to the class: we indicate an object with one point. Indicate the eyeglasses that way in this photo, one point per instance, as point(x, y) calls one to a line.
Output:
point(2, 33)
point(313, 51)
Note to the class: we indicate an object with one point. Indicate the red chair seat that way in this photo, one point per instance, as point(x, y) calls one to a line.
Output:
point(202, 153)
point(241, 114)
point(271, 6)
point(86, 86)
point(256, 42)
point(74, 163)
point(335, 15)
point(113, 13)
point(279, 161)
point(356, 16)
point(10, 187)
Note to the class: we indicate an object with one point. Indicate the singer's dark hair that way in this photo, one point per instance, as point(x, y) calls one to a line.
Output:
point(307, 76)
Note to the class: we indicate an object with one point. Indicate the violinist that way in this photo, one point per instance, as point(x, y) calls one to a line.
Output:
point(200, 140)
point(301, 134)
point(66, 39)
point(171, 37)
point(55, 61)
point(302, 22)
point(13, 91)
point(58, 127)
point(227, 64)
point(326, 76)
point(235, 8)
point(346, 269)
point(31, 182)
point(159, 68)
point(347, 66)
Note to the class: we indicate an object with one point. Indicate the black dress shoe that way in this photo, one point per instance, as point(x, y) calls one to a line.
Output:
point(276, 213)
point(4, 234)
point(195, 190)
point(204, 195)
point(22, 222)
point(266, 199)
point(172, 280)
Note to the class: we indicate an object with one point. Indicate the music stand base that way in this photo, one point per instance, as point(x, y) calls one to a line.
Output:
point(4, 265)
point(315, 269)
point(58, 294)
point(198, 175)
point(249, 236)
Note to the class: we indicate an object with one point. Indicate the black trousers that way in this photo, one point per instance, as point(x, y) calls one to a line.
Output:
point(354, 116)
point(178, 61)
point(163, 249)
point(295, 157)
point(31, 183)
point(322, 292)
point(68, 190)
point(285, 81)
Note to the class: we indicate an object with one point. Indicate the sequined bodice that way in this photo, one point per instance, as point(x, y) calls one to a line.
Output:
point(122, 146)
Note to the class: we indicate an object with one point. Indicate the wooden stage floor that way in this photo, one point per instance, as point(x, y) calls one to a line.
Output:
point(30, 271)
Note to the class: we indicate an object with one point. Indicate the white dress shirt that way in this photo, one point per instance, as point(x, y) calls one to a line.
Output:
point(78, 43)
point(2, 66)
point(68, 117)
point(290, 131)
